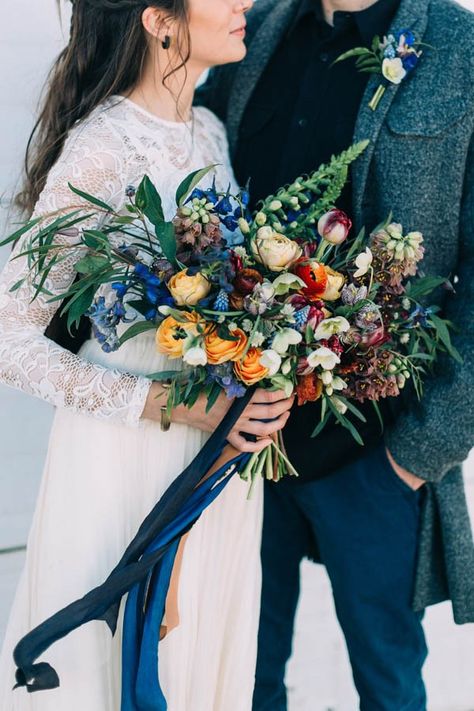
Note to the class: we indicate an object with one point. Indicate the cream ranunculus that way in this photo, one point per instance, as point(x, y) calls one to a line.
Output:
point(393, 70)
point(273, 250)
point(188, 290)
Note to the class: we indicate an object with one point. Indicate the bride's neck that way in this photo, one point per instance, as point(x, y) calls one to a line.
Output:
point(332, 6)
point(172, 101)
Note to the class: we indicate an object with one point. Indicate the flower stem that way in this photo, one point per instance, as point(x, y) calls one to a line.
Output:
point(374, 102)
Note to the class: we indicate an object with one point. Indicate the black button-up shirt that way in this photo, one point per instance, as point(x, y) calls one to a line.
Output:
point(302, 111)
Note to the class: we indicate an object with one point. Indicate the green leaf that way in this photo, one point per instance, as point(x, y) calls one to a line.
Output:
point(94, 239)
point(213, 396)
point(91, 199)
point(149, 201)
point(79, 306)
point(190, 182)
point(322, 424)
point(136, 329)
point(90, 264)
point(356, 52)
point(165, 375)
point(166, 237)
point(20, 232)
point(370, 70)
point(422, 286)
point(346, 423)
point(443, 334)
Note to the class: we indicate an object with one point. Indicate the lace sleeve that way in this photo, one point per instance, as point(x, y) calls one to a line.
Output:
point(93, 161)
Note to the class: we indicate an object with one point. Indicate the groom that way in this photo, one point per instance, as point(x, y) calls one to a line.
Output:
point(388, 520)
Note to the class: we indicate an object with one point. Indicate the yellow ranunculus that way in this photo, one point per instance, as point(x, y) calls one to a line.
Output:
point(219, 350)
point(171, 333)
point(273, 250)
point(334, 286)
point(188, 290)
point(249, 370)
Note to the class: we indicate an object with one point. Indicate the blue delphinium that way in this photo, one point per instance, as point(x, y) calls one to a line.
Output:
point(104, 320)
point(419, 317)
point(224, 376)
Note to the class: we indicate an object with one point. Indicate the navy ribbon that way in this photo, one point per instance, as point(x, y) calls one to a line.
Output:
point(149, 557)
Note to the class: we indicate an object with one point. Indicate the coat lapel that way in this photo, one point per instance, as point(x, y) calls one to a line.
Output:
point(262, 46)
point(412, 14)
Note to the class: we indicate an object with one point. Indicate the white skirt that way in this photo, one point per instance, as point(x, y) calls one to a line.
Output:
point(100, 480)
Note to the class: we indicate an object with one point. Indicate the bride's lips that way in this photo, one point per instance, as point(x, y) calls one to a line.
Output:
point(239, 32)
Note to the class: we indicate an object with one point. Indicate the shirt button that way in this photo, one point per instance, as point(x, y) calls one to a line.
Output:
point(324, 57)
point(302, 122)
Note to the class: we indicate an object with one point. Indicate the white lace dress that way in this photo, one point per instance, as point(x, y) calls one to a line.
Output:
point(106, 468)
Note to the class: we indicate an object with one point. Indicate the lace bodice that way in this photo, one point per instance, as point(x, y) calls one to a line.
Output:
point(113, 148)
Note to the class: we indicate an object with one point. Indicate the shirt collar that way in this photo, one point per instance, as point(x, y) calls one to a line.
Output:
point(374, 20)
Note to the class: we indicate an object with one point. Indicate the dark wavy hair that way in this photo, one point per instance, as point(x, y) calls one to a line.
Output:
point(104, 56)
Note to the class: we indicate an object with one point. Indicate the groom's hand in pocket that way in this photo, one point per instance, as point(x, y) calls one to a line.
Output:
point(413, 481)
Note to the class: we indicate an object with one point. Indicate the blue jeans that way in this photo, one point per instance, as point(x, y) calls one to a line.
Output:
point(365, 522)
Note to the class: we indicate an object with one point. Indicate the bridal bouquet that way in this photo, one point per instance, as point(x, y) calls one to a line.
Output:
point(284, 297)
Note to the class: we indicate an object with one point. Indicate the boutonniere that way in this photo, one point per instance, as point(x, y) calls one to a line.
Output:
point(393, 57)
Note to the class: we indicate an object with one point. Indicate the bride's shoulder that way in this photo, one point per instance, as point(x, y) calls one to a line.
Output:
point(211, 124)
point(96, 137)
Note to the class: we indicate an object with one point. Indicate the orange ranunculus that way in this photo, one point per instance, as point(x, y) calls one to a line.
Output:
point(219, 350)
point(171, 334)
point(309, 388)
point(249, 370)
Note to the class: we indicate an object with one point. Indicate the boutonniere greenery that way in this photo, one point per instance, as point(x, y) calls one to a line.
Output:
point(393, 57)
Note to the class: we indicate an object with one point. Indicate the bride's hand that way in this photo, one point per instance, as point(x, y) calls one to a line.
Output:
point(264, 405)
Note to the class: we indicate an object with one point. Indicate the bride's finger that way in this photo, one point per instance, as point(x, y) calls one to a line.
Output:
point(262, 396)
point(262, 429)
point(268, 412)
point(243, 445)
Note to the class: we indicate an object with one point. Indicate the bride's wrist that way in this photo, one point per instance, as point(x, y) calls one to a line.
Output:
point(157, 398)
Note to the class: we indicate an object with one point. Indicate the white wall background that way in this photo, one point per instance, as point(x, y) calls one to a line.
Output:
point(319, 675)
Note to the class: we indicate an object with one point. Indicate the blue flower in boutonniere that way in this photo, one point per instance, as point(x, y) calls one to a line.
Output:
point(393, 57)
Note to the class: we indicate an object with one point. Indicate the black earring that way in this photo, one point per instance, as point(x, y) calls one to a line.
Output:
point(166, 43)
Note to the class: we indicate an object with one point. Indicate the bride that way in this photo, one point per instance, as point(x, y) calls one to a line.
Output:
point(118, 106)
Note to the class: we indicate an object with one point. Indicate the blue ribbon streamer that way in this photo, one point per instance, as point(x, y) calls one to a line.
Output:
point(103, 602)
point(145, 606)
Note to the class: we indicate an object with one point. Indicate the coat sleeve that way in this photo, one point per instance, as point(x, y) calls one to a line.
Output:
point(432, 438)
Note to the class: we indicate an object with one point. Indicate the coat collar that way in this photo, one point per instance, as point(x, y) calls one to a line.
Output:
point(412, 14)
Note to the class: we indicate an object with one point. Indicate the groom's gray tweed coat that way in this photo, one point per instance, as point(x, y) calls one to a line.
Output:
point(420, 164)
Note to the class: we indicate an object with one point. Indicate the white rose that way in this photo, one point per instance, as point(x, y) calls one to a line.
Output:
point(393, 70)
point(272, 360)
point(195, 356)
point(324, 357)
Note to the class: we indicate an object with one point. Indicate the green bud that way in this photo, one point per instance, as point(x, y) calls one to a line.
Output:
point(275, 205)
point(260, 218)
point(194, 216)
point(186, 211)
point(205, 219)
